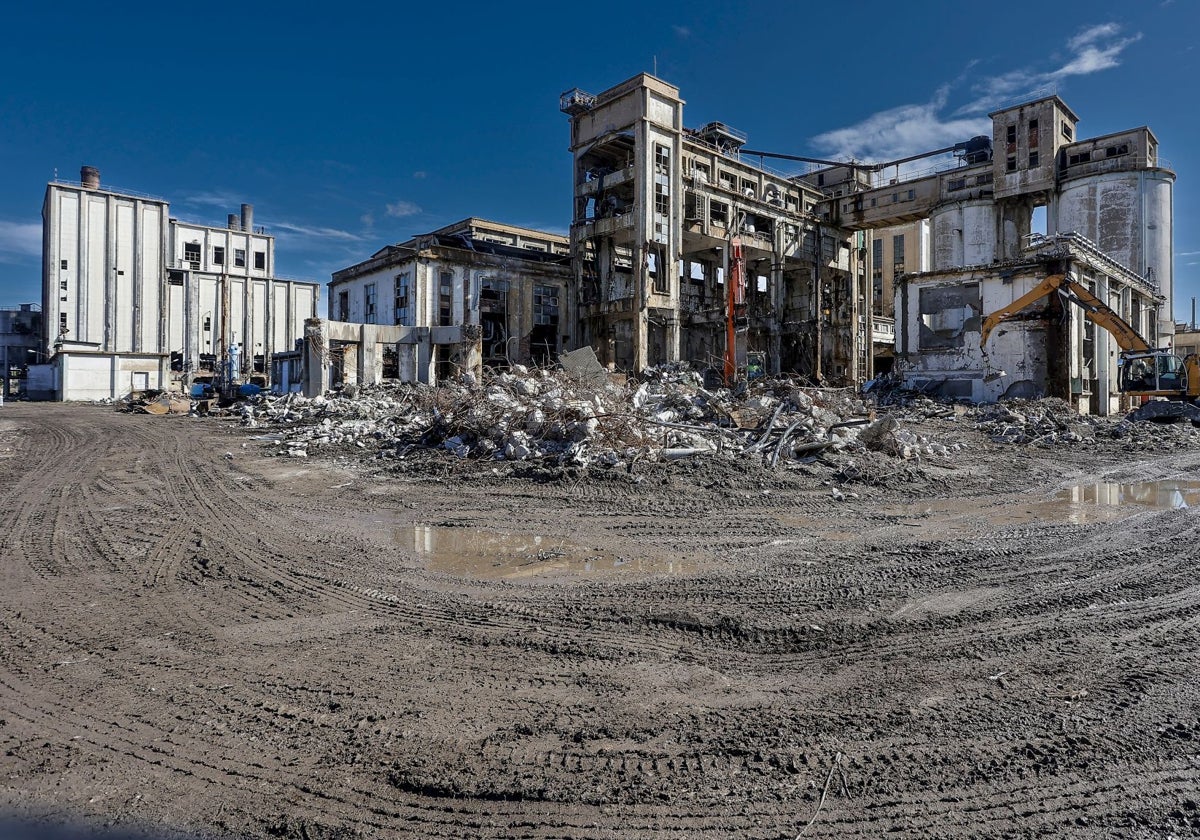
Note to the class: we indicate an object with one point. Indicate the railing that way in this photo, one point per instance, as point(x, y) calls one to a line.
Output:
point(24, 307)
point(1078, 240)
point(102, 188)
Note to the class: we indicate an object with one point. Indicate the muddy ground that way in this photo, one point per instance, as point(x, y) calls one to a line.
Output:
point(199, 637)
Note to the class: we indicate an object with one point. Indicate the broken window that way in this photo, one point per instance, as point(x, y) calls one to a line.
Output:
point(657, 269)
point(545, 305)
point(662, 200)
point(718, 213)
point(897, 254)
point(1010, 164)
point(218, 255)
point(191, 253)
point(701, 172)
point(1114, 151)
point(343, 306)
point(728, 181)
point(369, 303)
point(1010, 135)
point(662, 160)
point(1067, 131)
point(260, 260)
point(543, 338)
point(403, 302)
point(445, 298)
point(1033, 158)
point(239, 257)
point(1079, 157)
point(946, 313)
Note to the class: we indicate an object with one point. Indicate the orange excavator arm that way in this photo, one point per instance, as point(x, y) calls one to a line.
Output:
point(1094, 309)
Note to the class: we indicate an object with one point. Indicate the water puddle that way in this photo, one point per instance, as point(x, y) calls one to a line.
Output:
point(1079, 505)
point(1164, 494)
point(493, 555)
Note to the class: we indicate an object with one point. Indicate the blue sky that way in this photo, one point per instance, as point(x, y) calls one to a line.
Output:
point(352, 126)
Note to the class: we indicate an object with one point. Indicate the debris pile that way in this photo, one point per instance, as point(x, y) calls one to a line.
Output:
point(1044, 422)
point(521, 415)
point(1053, 422)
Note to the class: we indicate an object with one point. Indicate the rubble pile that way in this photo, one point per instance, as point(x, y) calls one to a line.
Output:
point(1045, 422)
point(521, 415)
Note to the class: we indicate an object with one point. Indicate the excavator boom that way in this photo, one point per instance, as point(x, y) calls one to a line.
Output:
point(1095, 310)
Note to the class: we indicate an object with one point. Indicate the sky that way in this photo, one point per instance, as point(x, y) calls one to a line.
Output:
point(350, 127)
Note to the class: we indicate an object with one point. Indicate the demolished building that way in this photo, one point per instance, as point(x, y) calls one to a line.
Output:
point(841, 263)
point(665, 216)
point(1108, 211)
point(473, 288)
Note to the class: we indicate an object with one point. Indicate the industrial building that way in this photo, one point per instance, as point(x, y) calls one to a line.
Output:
point(20, 347)
point(135, 300)
point(840, 272)
point(678, 241)
point(1108, 209)
point(503, 287)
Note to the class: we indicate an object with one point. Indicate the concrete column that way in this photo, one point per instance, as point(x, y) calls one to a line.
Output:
point(350, 363)
point(370, 360)
point(316, 358)
point(1105, 346)
point(406, 362)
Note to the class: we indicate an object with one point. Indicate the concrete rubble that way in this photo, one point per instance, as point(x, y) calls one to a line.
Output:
point(526, 415)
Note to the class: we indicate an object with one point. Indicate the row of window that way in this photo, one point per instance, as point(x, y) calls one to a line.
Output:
point(191, 254)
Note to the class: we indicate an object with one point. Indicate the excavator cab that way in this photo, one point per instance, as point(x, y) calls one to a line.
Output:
point(1156, 372)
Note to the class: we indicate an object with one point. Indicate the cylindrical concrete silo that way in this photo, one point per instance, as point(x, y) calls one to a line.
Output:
point(1128, 214)
point(964, 233)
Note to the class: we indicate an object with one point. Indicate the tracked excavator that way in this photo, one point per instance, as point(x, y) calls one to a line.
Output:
point(1145, 371)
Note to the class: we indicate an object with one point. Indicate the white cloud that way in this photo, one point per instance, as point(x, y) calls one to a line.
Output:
point(1092, 49)
point(400, 209)
point(901, 131)
point(681, 31)
point(1093, 59)
point(1092, 34)
point(911, 129)
point(420, 174)
point(213, 199)
point(20, 239)
point(294, 230)
point(368, 219)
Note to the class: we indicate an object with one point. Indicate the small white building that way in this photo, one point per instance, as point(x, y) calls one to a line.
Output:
point(134, 299)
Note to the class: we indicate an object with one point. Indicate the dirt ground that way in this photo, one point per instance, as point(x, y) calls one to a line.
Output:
point(199, 637)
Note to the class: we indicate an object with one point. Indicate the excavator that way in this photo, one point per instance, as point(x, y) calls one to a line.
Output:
point(1146, 371)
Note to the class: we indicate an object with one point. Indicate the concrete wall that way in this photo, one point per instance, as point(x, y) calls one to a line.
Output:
point(103, 376)
point(103, 268)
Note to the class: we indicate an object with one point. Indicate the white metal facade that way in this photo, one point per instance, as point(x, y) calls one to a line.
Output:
point(133, 298)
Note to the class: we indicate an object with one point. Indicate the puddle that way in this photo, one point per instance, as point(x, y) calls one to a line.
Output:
point(1079, 505)
point(492, 555)
point(1164, 494)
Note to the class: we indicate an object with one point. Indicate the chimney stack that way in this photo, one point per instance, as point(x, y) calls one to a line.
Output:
point(233, 221)
point(248, 218)
point(89, 177)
